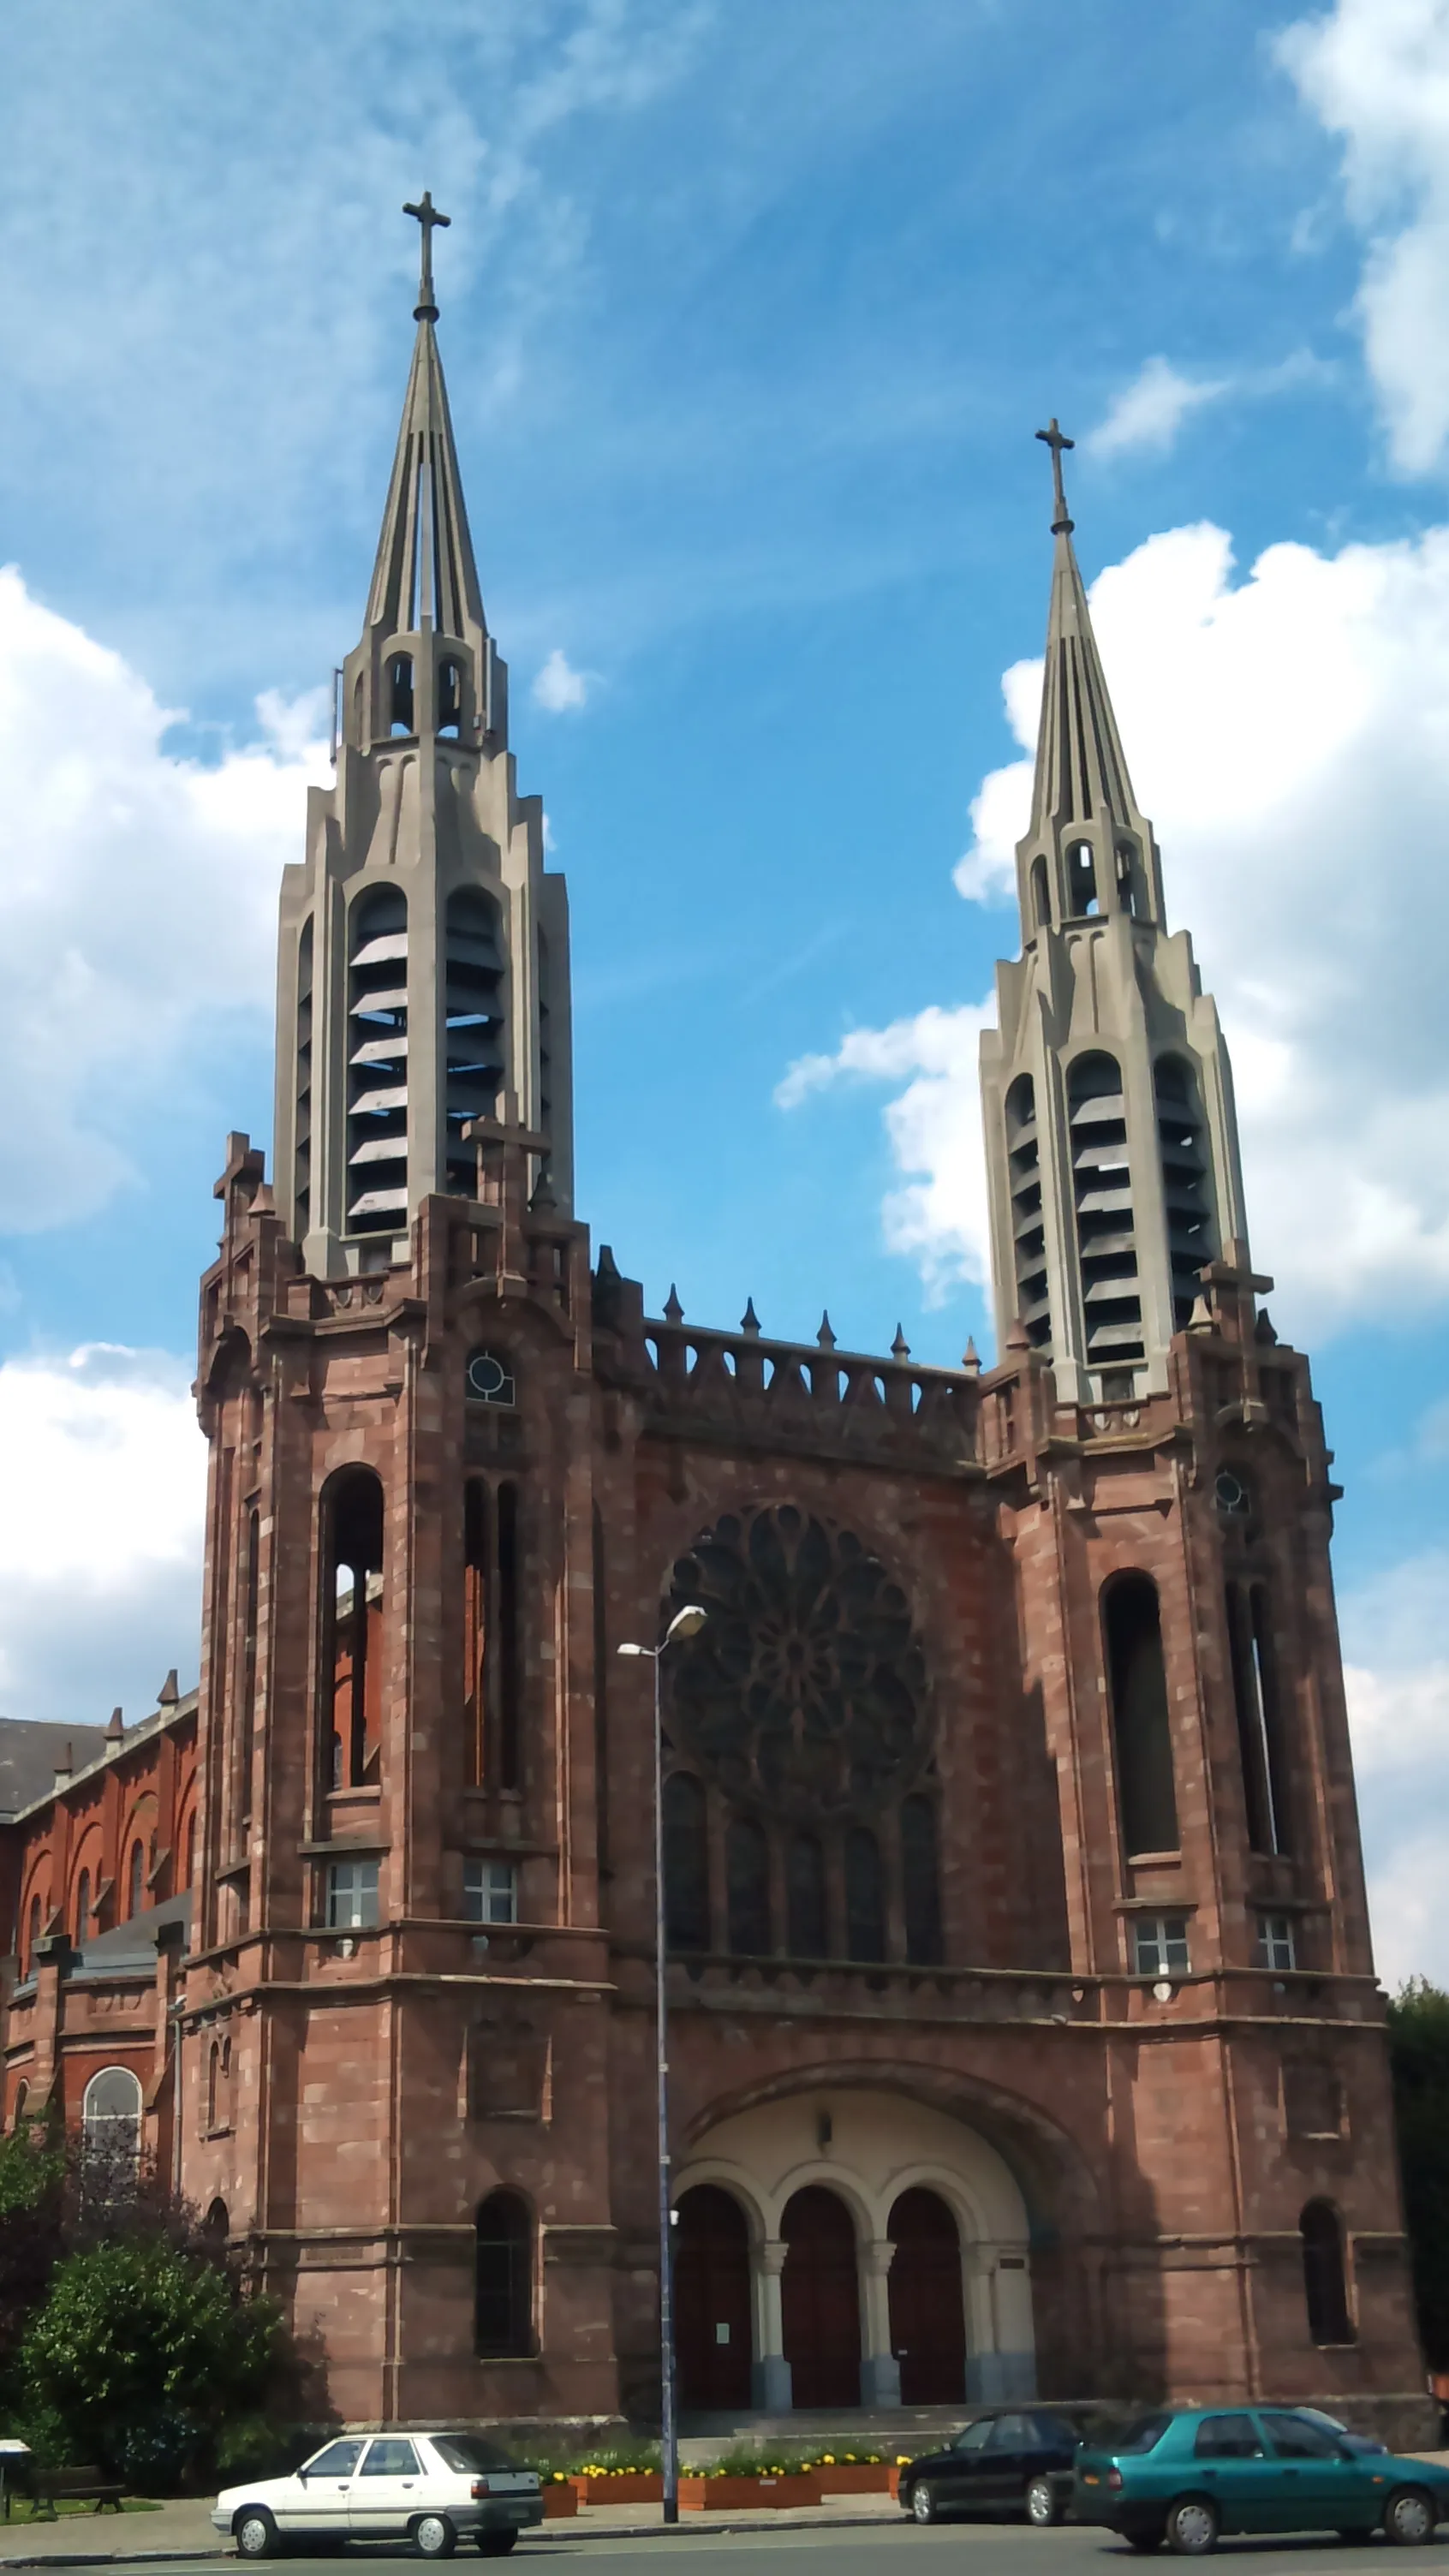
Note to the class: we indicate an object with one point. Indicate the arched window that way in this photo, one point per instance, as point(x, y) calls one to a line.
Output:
point(450, 697)
point(400, 694)
point(111, 2121)
point(503, 2277)
point(686, 1863)
point(191, 1847)
point(1127, 886)
point(747, 1888)
point(1141, 1728)
point(213, 2083)
point(809, 1935)
point(83, 1909)
point(1324, 2285)
point(921, 1882)
point(1182, 1143)
point(1028, 1223)
point(1255, 1697)
point(477, 1566)
point(136, 1879)
point(473, 973)
point(352, 1638)
point(492, 1676)
point(377, 1063)
point(510, 1654)
point(1041, 902)
point(22, 2098)
point(1081, 880)
point(545, 1039)
point(302, 1137)
point(32, 1935)
point(216, 2226)
point(865, 1931)
point(1106, 1237)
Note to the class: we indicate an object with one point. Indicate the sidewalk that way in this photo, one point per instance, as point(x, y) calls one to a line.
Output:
point(183, 2530)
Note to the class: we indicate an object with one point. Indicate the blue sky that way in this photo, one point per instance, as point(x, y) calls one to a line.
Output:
point(749, 315)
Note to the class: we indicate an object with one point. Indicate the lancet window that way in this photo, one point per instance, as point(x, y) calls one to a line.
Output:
point(503, 2277)
point(492, 1676)
point(1255, 1696)
point(352, 1629)
point(302, 1125)
point(1028, 1220)
point(473, 976)
point(1106, 1236)
point(1141, 1724)
point(377, 1067)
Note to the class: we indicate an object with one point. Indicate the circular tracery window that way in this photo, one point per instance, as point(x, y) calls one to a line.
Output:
point(806, 1688)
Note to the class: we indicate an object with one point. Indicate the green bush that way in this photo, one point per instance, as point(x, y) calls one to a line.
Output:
point(139, 2356)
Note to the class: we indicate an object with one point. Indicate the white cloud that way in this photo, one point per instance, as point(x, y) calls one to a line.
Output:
point(1146, 415)
point(100, 1531)
point(1377, 73)
point(1289, 735)
point(137, 897)
point(559, 687)
point(1397, 1676)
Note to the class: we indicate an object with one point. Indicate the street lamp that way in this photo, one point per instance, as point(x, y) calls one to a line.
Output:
point(685, 1623)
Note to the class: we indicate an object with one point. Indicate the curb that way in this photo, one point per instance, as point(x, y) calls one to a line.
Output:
point(718, 2525)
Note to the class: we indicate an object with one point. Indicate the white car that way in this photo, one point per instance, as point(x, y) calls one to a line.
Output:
point(433, 2489)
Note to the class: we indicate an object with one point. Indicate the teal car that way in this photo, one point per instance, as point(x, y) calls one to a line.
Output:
point(1187, 2474)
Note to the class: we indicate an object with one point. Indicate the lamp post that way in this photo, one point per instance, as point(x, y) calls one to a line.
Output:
point(685, 1623)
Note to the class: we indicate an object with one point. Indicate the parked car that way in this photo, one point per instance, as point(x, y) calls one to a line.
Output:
point(433, 2489)
point(1187, 2474)
point(1012, 2459)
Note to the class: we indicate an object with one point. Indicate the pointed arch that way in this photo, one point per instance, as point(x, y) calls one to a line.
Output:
point(352, 1627)
point(1141, 1723)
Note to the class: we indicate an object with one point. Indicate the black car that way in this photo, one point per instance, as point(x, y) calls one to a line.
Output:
point(1011, 2460)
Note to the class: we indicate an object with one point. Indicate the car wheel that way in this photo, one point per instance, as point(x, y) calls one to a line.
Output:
point(254, 2532)
point(1409, 2517)
point(1043, 2509)
point(923, 2503)
point(434, 2536)
point(496, 2544)
point(1192, 2527)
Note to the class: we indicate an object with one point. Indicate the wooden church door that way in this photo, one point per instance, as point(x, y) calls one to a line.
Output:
point(928, 2320)
point(712, 2301)
point(820, 2300)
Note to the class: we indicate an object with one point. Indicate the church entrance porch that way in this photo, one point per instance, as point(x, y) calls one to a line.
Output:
point(851, 2249)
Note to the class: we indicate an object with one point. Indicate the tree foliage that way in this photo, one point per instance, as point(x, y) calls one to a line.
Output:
point(1419, 2059)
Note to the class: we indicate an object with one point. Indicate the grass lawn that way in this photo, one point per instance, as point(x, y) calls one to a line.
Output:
point(23, 2511)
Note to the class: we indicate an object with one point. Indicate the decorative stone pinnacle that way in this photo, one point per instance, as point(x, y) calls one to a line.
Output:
point(971, 1358)
point(1056, 439)
point(825, 1337)
point(673, 1311)
point(749, 1320)
point(900, 1347)
point(426, 214)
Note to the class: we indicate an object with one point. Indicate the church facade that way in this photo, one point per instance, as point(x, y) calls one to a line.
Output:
point(1025, 2035)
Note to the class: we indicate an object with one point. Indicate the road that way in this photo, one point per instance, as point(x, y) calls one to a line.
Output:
point(889, 2549)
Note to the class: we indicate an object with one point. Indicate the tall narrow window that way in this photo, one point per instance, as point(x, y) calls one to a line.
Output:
point(865, 1935)
point(545, 1039)
point(136, 1879)
point(1028, 1222)
point(1141, 1728)
point(352, 1520)
point(111, 2123)
point(83, 1909)
point(1102, 1190)
point(473, 1023)
point(805, 1898)
point(1081, 880)
point(450, 697)
point(503, 2277)
point(251, 1597)
point(1325, 2287)
point(302, 1140)
point(32, 1935)
point(686, 1863)
point(1186, 1181)
point(213, 2083)
point(377, 1063)
point(601, 1696)
point(1041, 902)
point(477, 1558)
point(747, 1888)
point(921, 1882)
point(510, 1675)
point(400, 694)
point(1256, 1702)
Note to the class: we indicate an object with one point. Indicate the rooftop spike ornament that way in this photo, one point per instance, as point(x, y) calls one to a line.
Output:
point(1056, 439)
point(426, 214)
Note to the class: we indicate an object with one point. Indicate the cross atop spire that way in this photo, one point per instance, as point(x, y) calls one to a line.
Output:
point(427, 215)
point(1054, 438)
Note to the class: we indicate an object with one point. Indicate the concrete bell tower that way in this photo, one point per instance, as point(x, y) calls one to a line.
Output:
point(423, 967)
point(1111, 1135)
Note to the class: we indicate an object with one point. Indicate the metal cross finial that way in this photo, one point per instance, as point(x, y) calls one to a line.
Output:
point(1054, 438)
point(426, 214)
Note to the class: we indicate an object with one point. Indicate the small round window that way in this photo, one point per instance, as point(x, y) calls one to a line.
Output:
point(1232, 1496)
point(490, 1379)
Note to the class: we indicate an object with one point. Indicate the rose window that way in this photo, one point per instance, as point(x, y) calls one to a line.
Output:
point(806, 1689)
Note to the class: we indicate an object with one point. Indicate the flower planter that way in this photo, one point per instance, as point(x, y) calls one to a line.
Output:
point(559, 2500)
point(747, 2495)
point(854, 2477)
point(620, 2486)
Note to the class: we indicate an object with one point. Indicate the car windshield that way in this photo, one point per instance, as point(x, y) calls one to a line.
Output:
point(1143, 2433)
point(464, 2451)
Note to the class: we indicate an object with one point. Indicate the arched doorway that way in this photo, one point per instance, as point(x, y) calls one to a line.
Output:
point(712, 2300)
point(820, 2300)
point(928, 2320)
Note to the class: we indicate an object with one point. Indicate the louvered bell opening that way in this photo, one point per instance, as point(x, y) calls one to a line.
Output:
point(473, 972)
point(1186, 1181)
point(302, 1111)
point(377, 1065)
point(545, 1041)
point(1102, 1192)
point(1027, 1224)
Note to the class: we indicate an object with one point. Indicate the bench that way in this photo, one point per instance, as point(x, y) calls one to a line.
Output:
point(54, 2487)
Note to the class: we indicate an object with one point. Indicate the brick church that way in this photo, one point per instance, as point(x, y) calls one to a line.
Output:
point(1025, 2030)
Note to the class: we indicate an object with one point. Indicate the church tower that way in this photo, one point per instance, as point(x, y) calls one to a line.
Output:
point(1112, 1141)
point(423, 973)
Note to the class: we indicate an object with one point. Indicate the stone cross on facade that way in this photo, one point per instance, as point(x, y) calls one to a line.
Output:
point(1055, 438)
point(426, 214)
